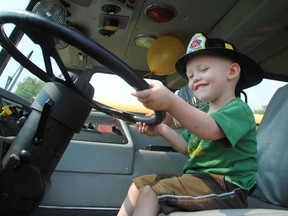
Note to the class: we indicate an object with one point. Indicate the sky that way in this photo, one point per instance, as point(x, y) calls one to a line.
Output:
point(13, 4)
point(258, 95)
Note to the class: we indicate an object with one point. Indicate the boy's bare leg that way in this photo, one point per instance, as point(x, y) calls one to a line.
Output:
point(147, 203)
point(129, 203)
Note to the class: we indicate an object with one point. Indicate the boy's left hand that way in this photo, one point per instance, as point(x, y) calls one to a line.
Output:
point(149, 130)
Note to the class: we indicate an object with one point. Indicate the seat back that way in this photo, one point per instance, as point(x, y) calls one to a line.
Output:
point(272, 138)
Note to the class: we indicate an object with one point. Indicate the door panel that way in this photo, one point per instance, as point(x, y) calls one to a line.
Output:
point(94, 176)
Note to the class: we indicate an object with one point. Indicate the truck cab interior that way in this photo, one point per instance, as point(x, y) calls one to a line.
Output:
point(68, 142)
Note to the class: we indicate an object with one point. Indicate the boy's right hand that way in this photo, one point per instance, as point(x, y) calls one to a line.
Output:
point(158, 97)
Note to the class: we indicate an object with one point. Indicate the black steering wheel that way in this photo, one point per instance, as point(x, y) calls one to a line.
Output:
point(41, 31)
point(28, 164)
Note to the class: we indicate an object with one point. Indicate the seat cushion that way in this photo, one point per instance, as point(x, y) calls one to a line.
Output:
point(232, 212)
point(272, 139)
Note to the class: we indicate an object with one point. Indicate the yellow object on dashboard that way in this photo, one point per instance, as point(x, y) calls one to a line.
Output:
point(163, 54)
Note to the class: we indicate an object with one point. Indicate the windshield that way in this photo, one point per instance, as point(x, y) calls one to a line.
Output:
point(115, 92)
point(15, 78)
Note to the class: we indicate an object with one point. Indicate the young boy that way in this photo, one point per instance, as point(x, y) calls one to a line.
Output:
point(220, 140)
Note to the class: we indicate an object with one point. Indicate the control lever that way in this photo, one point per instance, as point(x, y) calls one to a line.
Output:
point(26, 154)
point(44, 121)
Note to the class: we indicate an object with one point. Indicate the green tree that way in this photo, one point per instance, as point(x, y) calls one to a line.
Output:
point(29, 88)
point(261, 110)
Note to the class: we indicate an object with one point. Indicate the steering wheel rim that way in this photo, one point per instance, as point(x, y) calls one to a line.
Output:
point(44, 26)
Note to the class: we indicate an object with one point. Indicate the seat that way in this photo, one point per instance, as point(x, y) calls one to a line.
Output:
point(271, 194)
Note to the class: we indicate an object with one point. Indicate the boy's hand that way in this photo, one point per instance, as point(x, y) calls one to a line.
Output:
point(149, 130)
point(158, 97)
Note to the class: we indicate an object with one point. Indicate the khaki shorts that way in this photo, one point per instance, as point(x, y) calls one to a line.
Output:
point(193, 192)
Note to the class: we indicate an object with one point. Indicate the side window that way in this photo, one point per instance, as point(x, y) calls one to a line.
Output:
point(260, 95)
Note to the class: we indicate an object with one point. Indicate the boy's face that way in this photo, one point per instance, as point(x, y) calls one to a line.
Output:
point(208, 76)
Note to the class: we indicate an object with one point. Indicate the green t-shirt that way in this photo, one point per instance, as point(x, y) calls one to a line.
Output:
point(233, 156)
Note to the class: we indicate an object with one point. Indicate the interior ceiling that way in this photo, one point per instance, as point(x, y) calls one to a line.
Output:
point(257, 28)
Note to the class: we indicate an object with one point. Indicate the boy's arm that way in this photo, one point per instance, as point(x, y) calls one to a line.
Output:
point(168, 120)
point(198, 122)
point(174, 139)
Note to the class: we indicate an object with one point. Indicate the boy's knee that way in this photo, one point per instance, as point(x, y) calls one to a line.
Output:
point(147, 190)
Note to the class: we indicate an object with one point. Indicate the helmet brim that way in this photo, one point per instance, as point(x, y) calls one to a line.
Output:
point(251, 72)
